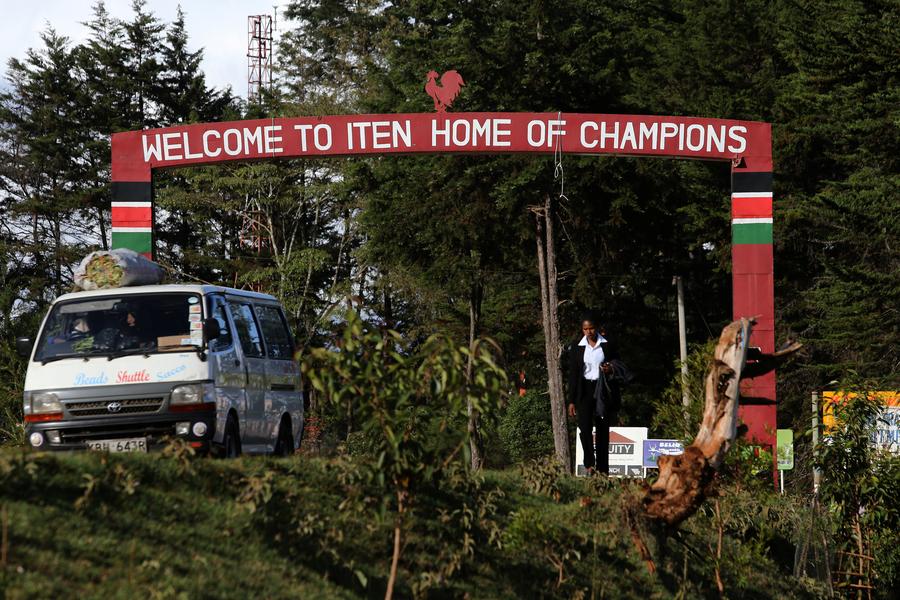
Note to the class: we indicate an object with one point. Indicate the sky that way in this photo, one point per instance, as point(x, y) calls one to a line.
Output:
point(218, 26)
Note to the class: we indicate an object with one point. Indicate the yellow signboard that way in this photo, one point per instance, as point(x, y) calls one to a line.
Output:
point(887, 427)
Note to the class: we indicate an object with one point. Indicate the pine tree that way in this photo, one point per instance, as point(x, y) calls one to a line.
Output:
point(183, 95)
point(42, 174)
point(141, 59)
point(839, 155)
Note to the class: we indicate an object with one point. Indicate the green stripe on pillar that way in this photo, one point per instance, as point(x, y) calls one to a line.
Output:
point(751, 233)
point(139, 241)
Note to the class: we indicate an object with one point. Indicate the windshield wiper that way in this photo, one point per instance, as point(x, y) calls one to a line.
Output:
point(50, 359)
point(84, 355)
point(129, 352)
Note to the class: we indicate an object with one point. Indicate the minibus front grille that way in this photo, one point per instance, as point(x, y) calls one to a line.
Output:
point(155, 431)
point(130, 406)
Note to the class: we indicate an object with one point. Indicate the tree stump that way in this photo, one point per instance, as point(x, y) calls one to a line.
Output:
point(685, 481)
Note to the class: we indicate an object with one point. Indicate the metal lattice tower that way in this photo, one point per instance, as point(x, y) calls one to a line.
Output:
point(259, 56)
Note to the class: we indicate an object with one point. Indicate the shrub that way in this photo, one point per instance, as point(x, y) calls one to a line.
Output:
point(861, 484)
point(12, 379)
point(525, 427)
point(411, 404)
point(669, 414)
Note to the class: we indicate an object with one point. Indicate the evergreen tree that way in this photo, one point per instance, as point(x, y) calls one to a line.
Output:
point(142, 61)
point(331, 53)
point(107, 81)
point(41, 171)
point(839, 159)
point(183, 95)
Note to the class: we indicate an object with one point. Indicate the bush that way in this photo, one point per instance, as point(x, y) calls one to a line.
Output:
point(669, 411)
point(411, 403)
point(12, 379)
point(860, 485)
point(525, 427)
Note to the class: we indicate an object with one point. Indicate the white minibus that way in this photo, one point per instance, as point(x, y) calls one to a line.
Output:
point(127, 369)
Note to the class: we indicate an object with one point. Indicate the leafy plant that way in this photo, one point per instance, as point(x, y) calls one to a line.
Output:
point(542, 476)
point(862, 483)
point(411, 403)
point(12, 378)
point(525, 428)
point(670, 416)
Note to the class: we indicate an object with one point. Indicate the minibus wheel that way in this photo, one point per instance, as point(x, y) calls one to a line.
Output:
point(231, 444)
point(284, 446)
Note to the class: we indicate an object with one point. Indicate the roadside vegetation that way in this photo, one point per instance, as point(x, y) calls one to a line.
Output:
point(169, 527)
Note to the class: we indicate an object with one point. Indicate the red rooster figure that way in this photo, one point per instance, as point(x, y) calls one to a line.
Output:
point(444, 94)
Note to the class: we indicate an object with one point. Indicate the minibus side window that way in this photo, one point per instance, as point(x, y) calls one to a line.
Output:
point(217, 311)
point(245, 325)
point(278, 338)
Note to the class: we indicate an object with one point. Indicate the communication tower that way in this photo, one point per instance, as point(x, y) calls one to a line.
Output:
point(259, 56)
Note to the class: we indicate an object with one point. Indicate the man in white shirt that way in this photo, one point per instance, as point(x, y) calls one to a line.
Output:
point(594, 395)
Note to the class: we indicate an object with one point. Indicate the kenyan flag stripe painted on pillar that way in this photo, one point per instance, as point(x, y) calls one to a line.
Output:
point(139, 240)
point(132, 216)
point(751, 208)
point(751, 231)
point(744, 181)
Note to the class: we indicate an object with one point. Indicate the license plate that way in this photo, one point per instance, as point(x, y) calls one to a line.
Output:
point(126, 445)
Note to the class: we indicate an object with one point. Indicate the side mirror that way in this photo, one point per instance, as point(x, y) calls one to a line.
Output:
point(24, 346)
point(211, 329)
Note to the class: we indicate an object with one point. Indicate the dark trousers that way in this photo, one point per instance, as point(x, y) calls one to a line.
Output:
point(596, 450)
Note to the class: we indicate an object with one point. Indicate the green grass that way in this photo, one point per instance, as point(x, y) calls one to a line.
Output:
point(157, 526)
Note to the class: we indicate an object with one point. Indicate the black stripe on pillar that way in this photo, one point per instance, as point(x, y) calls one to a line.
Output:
point(743, 181)
point(132, 191)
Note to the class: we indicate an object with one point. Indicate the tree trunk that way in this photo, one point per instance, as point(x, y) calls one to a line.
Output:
point(395, 556)
point(476, 444)
point(685, 481)
point(101, 222)
point(546, 256)
point(388, 305)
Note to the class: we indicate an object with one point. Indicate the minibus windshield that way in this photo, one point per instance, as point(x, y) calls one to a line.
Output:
point(116, 326)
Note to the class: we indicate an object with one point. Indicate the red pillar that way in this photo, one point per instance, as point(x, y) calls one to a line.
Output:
point(132, 196)
point(754, 289)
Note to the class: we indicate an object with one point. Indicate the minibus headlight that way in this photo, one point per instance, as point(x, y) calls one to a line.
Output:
point(44, 402)
point(187, 394)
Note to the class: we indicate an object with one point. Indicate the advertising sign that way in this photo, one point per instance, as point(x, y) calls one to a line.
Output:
point(653, 449)
point(784, 449)
point(626, 452)
point(886, 431)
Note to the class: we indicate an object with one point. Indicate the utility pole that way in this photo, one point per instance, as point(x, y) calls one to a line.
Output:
point(815, 440)
point(682, 344)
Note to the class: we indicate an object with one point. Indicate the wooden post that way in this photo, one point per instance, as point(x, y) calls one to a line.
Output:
point(682, 347)
point(815, 440)
point(4, 542)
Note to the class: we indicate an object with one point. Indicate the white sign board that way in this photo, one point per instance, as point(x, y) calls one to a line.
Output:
point(887, 430)
point(626, 451)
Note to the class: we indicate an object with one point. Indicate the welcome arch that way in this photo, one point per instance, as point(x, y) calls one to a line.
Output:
point(745, 145)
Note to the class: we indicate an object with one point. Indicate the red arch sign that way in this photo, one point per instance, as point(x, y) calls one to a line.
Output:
point(746, 145)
